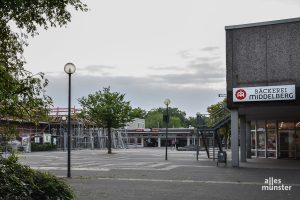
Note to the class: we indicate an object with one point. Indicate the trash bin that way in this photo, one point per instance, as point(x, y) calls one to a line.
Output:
point(222, 157)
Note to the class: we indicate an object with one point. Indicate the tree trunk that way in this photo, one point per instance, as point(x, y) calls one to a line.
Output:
point(109, 140)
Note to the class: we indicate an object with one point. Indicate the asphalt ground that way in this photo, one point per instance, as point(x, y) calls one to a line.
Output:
point(145, 174)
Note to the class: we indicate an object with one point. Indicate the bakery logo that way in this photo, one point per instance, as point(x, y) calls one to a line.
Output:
point(273, 184)
point(240, 94)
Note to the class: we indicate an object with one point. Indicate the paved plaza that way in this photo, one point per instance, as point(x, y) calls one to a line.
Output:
point(144, 174)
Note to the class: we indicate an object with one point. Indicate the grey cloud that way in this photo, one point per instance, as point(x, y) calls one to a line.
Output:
point(186, 54)
point(212, 48)
point(166, 68)
point(207, 59)
point(202, 75)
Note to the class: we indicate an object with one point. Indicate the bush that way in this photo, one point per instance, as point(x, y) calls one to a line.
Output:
point(42, 147)
point(21, 182)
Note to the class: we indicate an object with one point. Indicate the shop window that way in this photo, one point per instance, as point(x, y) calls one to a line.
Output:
point(261, 138)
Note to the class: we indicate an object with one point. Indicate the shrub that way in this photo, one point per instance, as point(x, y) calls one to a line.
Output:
point(21, 182)
point(42, 147)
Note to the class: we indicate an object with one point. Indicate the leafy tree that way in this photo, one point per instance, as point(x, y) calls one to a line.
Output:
point(106, 109)
point(154, 118)
point(22, 93)
point(139, 113)
point(215, 115)
point(175, 112)
point(191, 121)
point(175, 122)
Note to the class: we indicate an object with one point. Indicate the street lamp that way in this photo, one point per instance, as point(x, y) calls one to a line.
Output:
point(69, 69)
point(167, 118)
point(198, 127)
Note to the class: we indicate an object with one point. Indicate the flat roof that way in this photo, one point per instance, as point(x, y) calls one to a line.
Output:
point(282, 21)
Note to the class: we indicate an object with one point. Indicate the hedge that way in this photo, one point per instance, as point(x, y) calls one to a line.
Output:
point(42, 147)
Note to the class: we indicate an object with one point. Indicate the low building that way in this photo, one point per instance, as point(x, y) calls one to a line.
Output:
point(263, 89)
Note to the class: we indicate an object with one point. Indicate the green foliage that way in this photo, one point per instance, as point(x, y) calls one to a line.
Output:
point(106, 109)
point(7, 133)
point(42, 147)
point(216, 112)
point(191, 121)
point(21, 182)
point(216, 115)
point(138, 113)
point(154, 118)
point(22, 94)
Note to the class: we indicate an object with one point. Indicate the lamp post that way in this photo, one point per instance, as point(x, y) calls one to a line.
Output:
point(198, 127)
point(167, 118)
point(69, 69)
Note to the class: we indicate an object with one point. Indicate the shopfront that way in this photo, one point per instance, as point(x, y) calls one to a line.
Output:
point(263, 89)
point(275, 139)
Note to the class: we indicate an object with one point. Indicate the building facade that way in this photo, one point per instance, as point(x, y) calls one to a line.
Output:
point(263, 89)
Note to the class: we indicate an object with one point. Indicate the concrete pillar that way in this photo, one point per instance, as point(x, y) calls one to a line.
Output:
point(234, 139)
point(243, 138)
point(188, 140)
point(158, 142)
point(142, 142)
point(248, 139)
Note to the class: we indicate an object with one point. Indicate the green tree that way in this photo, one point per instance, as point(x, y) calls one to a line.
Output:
point(154, 118)
point(216, 114)
point(106, 109)
point(22, 93)
point(139, 113)
point(175, 122)
point(175, 112)
point(191, 121)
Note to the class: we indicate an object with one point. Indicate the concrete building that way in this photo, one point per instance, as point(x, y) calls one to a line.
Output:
point(136, 124)
point(263, 89)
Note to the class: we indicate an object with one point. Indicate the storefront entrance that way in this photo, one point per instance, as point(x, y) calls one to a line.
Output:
point(275, 139)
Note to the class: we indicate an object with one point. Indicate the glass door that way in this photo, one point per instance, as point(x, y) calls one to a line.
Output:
point(271, 139)
point(261, 139)
point(287, 134)
point(297, 140)
point(253, 139)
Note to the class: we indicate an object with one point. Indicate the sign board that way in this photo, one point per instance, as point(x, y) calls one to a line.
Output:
point(47, 138)
point(155, 129)
point(37, 140)
point(264, 93)
point(25, 141)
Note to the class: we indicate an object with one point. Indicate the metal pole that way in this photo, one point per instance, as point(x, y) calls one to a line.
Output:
point(167, 122)
point(197, 142)
point(214, 154)
point(69, 129)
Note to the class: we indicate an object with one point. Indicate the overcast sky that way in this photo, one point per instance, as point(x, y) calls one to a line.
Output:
point(148, 49)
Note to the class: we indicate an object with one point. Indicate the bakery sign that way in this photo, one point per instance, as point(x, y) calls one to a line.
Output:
point(264, 93)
